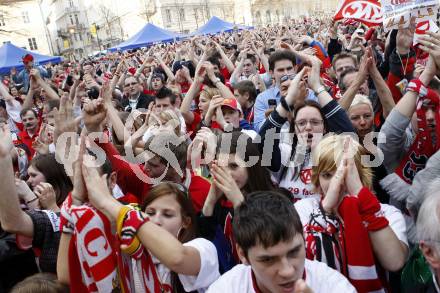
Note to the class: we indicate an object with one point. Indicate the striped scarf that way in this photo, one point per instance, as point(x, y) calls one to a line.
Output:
point(344, 244)
point(423, 146)
point(95, 257)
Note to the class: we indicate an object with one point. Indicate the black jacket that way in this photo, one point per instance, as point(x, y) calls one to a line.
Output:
point(143, 102)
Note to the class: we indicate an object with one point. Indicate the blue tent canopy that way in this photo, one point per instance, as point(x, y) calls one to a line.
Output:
point(216, 25)
point(148, 35)
point(11, 56)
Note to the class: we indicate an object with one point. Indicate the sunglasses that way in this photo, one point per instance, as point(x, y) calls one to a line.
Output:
point(178, 186)
point(287, 77)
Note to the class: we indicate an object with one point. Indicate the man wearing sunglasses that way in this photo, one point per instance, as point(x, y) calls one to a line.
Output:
point(136, 98)
point(281, 63)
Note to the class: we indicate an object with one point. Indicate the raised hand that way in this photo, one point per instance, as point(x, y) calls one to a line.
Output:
point(64, 118)
point(106, 93)
point(224, 181)
point(6, 144)
point(431, 44)
point(46, 196)
point(40, 147)
point(404, 40)
point(206, 141)
point(97, 189)
point(94, 113)
point(335, 190)
point(297, 89)
point(79, 192)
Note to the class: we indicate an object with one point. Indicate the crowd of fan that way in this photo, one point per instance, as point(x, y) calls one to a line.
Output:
point(293, 158)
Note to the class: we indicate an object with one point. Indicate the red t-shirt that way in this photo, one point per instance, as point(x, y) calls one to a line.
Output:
point(194, 126)
point(185, 87)
point(225, 72)
point(24, 137)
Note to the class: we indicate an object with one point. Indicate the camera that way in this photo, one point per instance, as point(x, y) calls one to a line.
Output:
point(93, 93)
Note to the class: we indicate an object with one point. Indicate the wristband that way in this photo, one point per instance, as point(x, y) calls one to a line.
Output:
point(285, 105)
point(372, 215)
point(128, 223)
point(32, 200)
point(320, 90)
point(417, 86)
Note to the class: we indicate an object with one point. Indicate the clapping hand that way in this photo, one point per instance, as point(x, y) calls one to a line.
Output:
point(224, 182)
point(345, 180)
point(46, 196)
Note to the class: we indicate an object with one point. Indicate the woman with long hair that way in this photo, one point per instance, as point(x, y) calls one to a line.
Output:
point(158, 246)
point(236, 171)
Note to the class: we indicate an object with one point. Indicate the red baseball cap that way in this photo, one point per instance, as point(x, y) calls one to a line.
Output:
point(27, 58)
point(232, 103)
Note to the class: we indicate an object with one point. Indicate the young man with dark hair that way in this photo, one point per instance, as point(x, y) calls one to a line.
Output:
point(281, 63)
point(270, 244)
point(164, 100)
point(342, 62)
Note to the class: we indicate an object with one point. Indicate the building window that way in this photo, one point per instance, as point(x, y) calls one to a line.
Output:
point(70, 3)
point(80, 37)
point(268, 20)
point(2, 19)
point(258, 17)
point(32, 44)
point(25, 16)
point(182, 14)
point(196, 13)
point(168, 15)
point(71, 19)
point(76, 19)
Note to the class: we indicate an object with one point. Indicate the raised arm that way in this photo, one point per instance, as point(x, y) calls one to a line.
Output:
point(353, 89)
point(224, 90)
point(12, 218)
point(50, 93)
point(383, 91)
point(228, 63)
point(185, 107)
point(165, 67)
point(165, 247)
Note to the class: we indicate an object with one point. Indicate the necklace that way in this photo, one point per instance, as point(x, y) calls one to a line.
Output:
point(401, 62)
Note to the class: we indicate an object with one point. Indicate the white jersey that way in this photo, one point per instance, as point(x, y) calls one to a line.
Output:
point(319, 277)
point(300, 186)
point(305, 208)
point(208, 268)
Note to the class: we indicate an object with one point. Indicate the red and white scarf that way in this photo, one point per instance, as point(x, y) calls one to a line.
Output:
point(344, 243)
point(422, 147)
point(95, 259)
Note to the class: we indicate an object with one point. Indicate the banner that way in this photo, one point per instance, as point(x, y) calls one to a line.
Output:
point(368, 12)
point(398, 13)
point(423, 27)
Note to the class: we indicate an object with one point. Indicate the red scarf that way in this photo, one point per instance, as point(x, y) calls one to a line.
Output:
point(422, 147)
point(96, 263)
point(345, 244)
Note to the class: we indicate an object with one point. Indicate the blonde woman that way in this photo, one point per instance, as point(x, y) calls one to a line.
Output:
point(348, 228)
